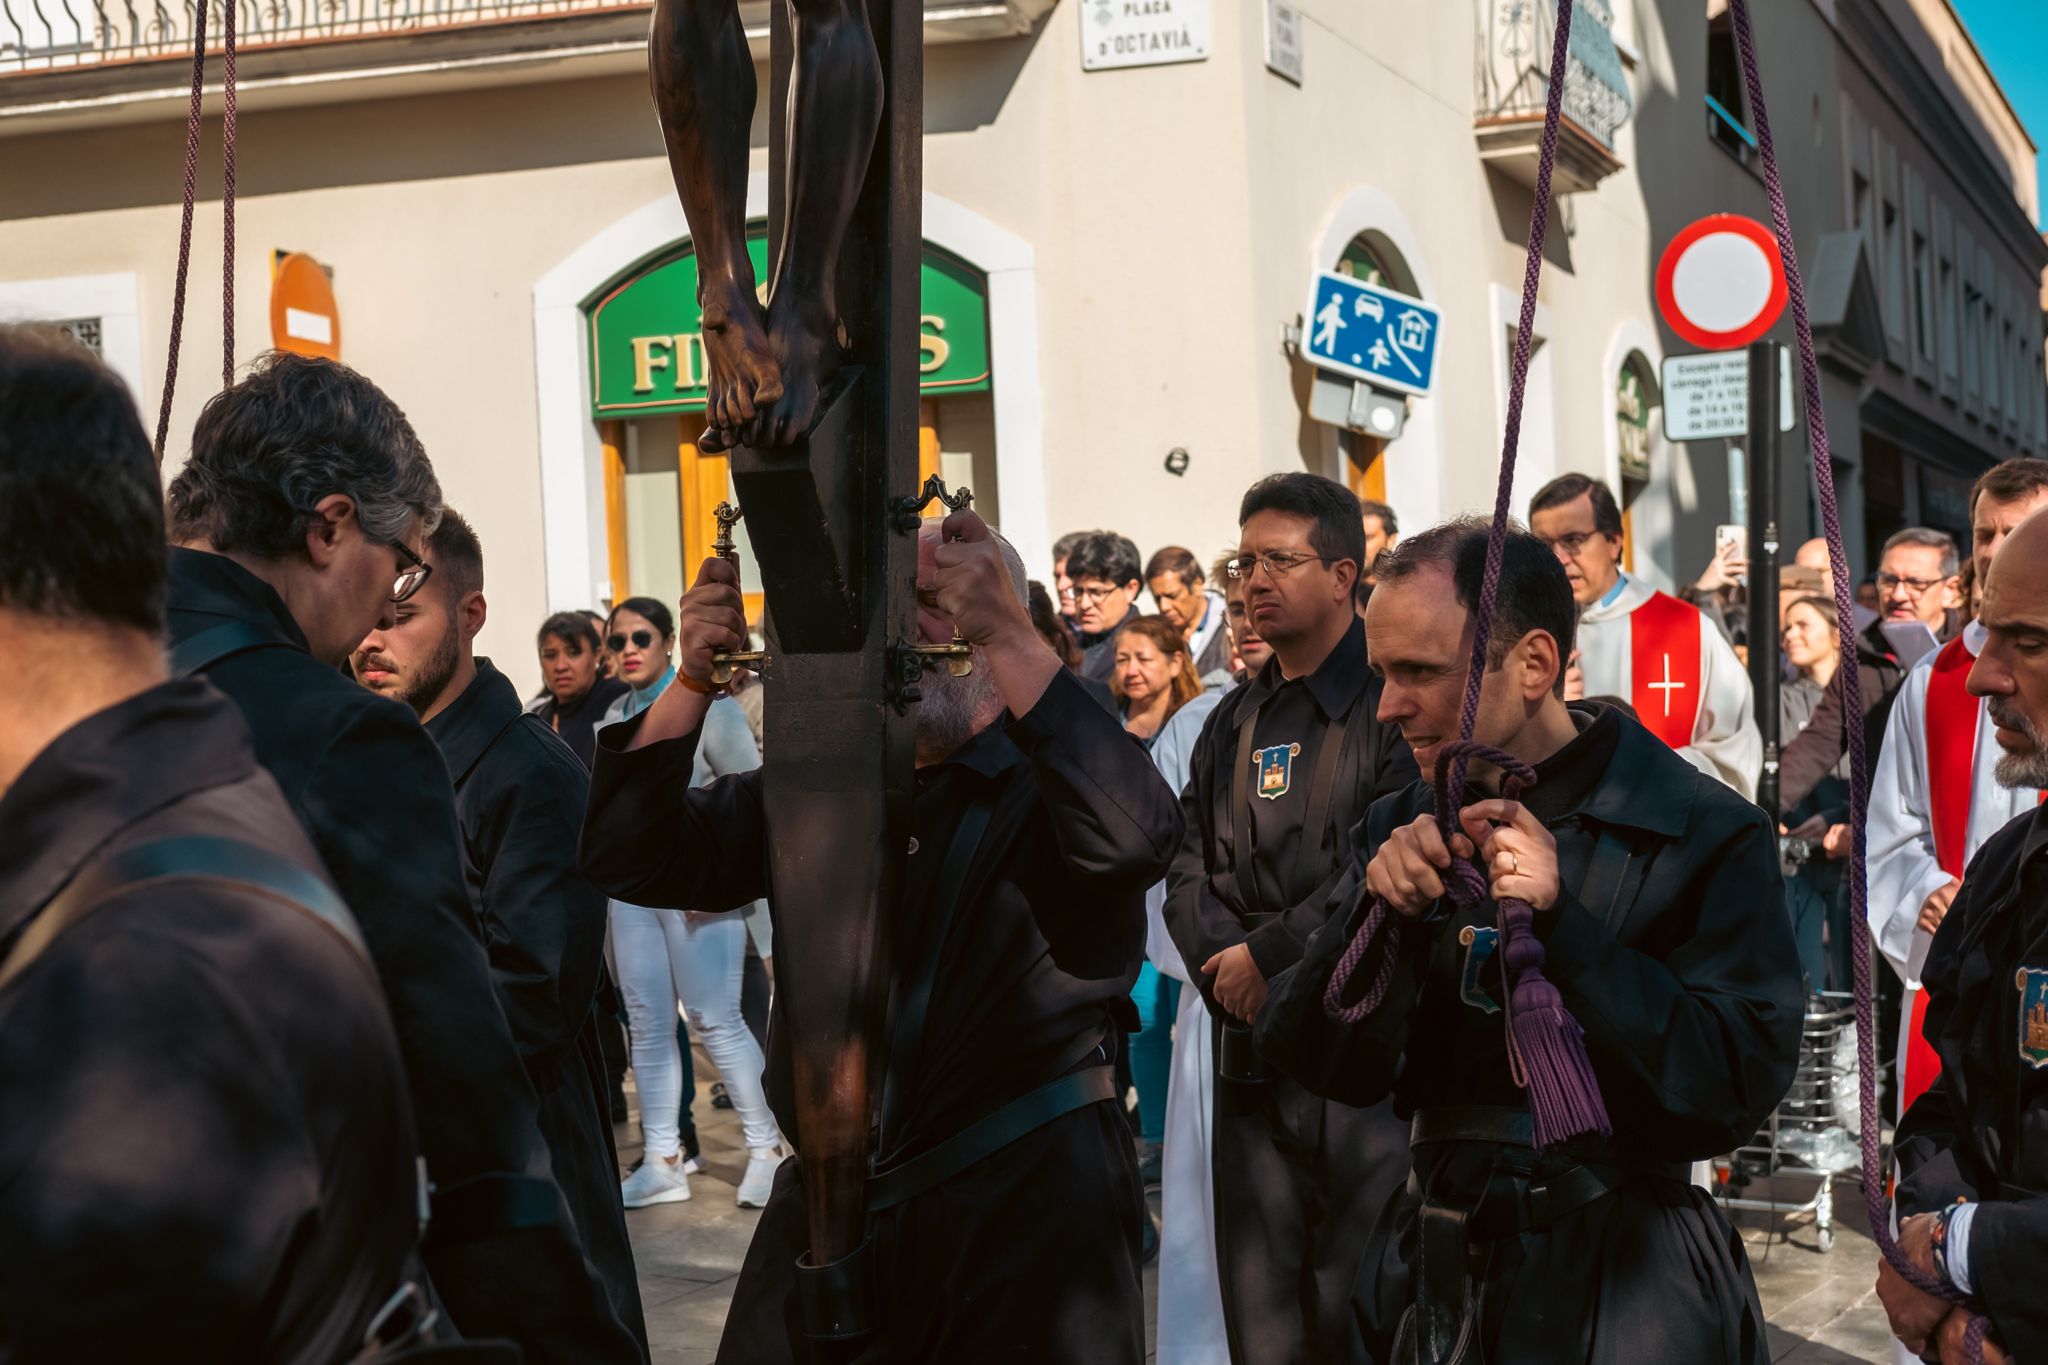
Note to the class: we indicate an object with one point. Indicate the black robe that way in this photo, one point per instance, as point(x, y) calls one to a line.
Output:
point(1980, 1133)
point(206, 1152)
point(1687, 984)
point(372, 793)
point(519, 798)
point(1033, 1253)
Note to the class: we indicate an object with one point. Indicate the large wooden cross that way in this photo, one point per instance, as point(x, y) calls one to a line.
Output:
point(824, 456)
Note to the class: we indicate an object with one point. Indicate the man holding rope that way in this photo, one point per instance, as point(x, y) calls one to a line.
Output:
point(1973, 1149)
point(1655, 897)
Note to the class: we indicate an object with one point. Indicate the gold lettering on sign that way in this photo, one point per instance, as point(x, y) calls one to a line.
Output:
point(690, 375)
point(932, 348)
point(649, 354)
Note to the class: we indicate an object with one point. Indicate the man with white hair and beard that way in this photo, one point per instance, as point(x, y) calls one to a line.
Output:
point(1005, 1213)
point(1973, 1149)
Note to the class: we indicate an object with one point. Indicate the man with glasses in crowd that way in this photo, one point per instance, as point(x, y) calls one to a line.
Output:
point(1103, 568)
point(293, 527)
point(1286, 764)
point(1646, 647)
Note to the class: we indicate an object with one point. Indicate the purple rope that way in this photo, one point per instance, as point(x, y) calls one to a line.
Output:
point(163, 417)
point(1546, 1047)
point(1852, 695)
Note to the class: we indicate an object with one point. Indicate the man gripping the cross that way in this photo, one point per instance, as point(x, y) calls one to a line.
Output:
point(1005, 1206)
point(1658, 903)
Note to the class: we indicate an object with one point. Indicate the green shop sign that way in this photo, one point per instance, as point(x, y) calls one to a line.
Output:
point(647, 344)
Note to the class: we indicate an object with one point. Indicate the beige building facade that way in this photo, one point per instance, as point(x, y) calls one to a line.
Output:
point(1120, 257)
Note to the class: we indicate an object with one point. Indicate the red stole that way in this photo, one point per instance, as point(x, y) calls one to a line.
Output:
point(1952, 718)
point(1664, 667)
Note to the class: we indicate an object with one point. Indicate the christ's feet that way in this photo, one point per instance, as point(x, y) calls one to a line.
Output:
point(742, 376)
point(804, 341)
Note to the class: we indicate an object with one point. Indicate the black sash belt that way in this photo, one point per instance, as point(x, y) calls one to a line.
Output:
point(990, 1134)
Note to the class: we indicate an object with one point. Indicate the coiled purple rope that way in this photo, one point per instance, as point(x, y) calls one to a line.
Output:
point(1852, 699)
point(1546, 1047)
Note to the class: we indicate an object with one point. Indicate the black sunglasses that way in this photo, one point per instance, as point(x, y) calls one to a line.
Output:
point(641, 639)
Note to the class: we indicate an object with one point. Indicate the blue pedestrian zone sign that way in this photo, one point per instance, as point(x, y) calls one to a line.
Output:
point(1370, 333)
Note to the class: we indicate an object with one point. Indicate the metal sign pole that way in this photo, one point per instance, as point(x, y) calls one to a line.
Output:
point(1763, 560)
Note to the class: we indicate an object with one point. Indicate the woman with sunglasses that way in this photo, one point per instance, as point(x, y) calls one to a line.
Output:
point(666, 958)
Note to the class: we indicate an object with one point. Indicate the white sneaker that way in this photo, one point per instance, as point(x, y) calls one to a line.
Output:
point(656, 1182)
point(760, 1176)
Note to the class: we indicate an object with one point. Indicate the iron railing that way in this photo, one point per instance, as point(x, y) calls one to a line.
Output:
point(47, 35)
point(1514, 50)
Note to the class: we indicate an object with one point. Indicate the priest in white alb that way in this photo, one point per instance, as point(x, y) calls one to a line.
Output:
point(1645, 647)
point(1933, 797)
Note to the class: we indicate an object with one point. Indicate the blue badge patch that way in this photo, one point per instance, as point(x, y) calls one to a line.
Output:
point(2033, 984)
point(1477, 985)
point(1275, 767)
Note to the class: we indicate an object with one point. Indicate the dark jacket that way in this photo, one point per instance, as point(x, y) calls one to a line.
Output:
point(1681, 970)
point(1813, 753)
point(1981, 1131)
point(372, 793)
point(1031, 1253)
point(207, 1152)
point(519, 799)
point(1205, 910)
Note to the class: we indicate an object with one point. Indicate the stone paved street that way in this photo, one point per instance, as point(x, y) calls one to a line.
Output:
point(1821, 1307)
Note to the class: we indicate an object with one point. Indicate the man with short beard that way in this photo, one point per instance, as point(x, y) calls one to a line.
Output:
point(1933, 797)
point(1973, 1149)
point(996, 1236)
point(519, 797)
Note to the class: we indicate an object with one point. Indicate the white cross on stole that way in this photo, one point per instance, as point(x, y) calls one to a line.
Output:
point(1667, 685)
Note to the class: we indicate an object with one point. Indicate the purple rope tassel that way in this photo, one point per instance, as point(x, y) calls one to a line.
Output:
point(1859, 761)
point(1546, 1046)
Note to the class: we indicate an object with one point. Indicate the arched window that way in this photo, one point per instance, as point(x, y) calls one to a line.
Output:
point(1636, 399)
point(1369, 256)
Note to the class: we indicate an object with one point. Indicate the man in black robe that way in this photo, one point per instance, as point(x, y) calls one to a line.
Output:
point(294, 524)
point(1973, 1149)
point(1035, 836)
point(519, 797)
point(207, 1152)
point(1284, 765)
point(1658, 902)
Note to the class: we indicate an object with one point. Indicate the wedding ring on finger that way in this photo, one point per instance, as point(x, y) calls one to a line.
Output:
point(1504, 861)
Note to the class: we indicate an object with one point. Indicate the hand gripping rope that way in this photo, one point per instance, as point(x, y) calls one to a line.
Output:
point(227, 208)
point(1546, 1047)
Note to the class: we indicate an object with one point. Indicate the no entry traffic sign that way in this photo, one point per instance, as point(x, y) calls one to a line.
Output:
point(1721, 282)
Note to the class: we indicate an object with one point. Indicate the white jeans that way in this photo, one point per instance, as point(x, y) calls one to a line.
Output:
point(663, 960)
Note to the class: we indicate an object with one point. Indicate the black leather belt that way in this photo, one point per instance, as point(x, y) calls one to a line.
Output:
point(1472, 1123)
point(990, 1134)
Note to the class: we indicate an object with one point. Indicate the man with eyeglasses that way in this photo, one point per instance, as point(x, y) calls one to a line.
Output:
point(1285, 765)
point(294, 528)
point(1646, 647)
point(1103, 568)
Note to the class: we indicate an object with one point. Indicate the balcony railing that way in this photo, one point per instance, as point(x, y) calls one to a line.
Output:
point(1512, 83)
point(47, 35)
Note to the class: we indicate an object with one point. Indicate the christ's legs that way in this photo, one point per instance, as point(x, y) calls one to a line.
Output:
point(835, 109)
point(703, 77)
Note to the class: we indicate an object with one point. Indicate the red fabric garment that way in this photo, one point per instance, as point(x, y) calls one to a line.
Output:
point(1664, 667)
point(1952, 717)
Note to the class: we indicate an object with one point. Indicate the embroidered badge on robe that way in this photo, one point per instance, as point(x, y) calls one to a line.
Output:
point(2033, 984)
point(1276, 769)
point(1481, 975)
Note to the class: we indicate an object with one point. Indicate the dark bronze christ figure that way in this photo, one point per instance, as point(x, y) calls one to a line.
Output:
point(766, 366)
